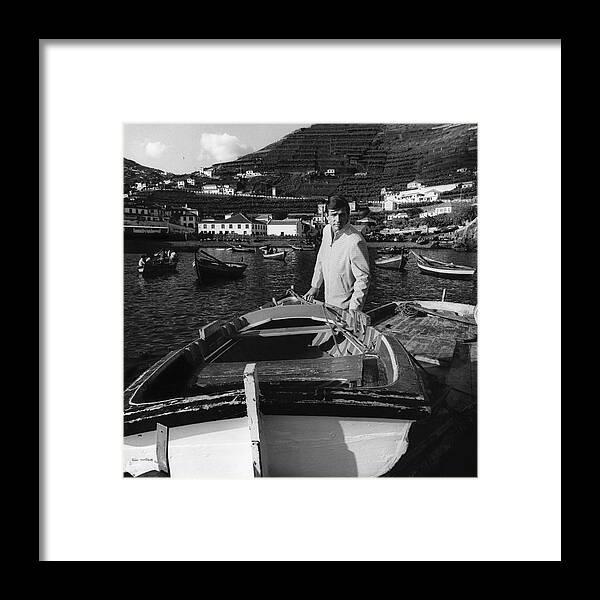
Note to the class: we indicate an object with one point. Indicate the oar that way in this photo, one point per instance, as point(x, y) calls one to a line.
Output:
point(212, 257)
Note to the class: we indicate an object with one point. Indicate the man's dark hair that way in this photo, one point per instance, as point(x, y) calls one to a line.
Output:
point(338, 203)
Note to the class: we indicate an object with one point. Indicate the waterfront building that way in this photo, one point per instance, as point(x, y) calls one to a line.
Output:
point(467, 184)
point(190, 181)
point(413, 185)
point(330, 173)
point(237, 224)
point(181, 183)
point(166, 181)
point(145, 213)
point(292, 227)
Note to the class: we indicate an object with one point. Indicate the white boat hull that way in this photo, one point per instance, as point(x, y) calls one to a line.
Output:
point(293, 446)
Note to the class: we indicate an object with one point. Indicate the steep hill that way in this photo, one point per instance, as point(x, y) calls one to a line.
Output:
point(390, 155)
point(134, 172)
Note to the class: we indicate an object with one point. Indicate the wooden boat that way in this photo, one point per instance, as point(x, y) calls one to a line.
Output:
point(242, 249)
point(387, 250)
point(443, 269)
point(156, 267)
point(395, 262)
point(294, 388)
point(210, 267)
point(275, 255)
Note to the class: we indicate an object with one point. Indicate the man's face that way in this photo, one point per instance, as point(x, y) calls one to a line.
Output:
point(337, 218)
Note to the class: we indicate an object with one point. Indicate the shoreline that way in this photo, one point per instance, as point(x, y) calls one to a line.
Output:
point(145, 245)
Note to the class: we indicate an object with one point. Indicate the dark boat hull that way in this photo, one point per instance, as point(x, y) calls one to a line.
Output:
point(157, 269)
point(206, 270)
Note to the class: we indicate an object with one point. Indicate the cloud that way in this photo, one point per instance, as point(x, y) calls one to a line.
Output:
point(220, 147)
point(154, 149)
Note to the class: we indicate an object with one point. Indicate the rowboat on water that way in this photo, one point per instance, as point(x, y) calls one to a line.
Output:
point(275, 255)
point(443, 269)
point(395, 262)
point(294, 388)
point(241, 249)
point(209, 267)
point(157, 267)
point(387, 250)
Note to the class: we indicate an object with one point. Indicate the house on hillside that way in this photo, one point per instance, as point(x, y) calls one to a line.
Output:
point(140, 185)
point(190, 181)
point(214, 188)
point(330, 173)
point(413, 185)
point(181, 183)
point(442, 209)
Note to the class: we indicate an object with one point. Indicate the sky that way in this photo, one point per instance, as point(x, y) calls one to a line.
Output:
point(181, 148)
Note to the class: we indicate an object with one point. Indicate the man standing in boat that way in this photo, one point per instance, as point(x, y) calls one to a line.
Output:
point(343, 260)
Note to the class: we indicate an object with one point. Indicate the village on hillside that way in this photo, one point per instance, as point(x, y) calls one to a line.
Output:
point(282, 192)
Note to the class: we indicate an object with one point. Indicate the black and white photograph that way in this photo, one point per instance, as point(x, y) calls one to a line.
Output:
point(300, 300)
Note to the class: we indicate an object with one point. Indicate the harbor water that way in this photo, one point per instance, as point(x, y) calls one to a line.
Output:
point(164, 312)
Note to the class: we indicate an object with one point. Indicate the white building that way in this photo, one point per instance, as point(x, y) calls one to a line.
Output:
point(393, 199)
point(467, 184)
point(140, 186)
point(330, 172)
point(166, 181)
point(214, 188)
point(190, 181)
point(396, 216)
point(233, 224)
point(206, 171)
point(284, 227)
point(442, 209)
point(414, 185)
point(181, 184)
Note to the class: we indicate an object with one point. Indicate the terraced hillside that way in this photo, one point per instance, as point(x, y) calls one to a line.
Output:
point(390, 155)
point(134, 172)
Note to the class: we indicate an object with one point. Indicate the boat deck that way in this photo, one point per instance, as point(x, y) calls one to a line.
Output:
point(428, 338)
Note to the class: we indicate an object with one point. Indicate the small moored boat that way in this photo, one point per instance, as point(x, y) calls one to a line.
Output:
point(395, 262)
point(209, 267)
point(443, 269)
point(242, 249)
point(275, 255)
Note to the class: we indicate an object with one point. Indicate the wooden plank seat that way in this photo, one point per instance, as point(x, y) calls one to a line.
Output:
point(345, 369)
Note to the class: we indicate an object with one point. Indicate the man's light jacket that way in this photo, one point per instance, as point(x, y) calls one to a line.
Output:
point(343, 265)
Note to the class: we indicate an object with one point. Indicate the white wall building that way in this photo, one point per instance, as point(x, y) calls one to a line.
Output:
point(236, 224)
point(214, 188)
point(437, 210)
point(190, 181)
point(181, 184)
point(413, 185)
point(140, 186)
point(284, 227)
point(330, 172)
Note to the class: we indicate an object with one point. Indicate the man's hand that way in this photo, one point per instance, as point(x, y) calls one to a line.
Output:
point(310, 295)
